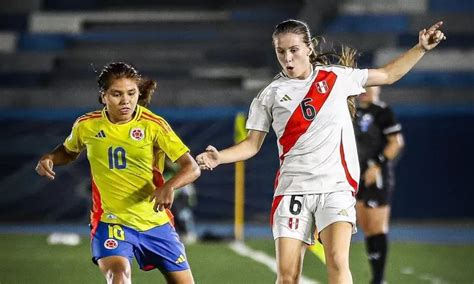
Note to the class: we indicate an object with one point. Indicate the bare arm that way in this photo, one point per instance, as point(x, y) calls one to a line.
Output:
point(397, 68)
point(395, 144)
point(59, 156)
point(189, 171)
point(240, 152)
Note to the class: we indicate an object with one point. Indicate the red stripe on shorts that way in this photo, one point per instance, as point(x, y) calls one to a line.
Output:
point(276, 202)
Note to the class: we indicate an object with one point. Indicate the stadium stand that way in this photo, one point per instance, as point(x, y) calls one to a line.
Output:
point(212, 54)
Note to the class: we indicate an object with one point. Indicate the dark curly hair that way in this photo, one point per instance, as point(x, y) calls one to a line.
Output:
point(117, 70)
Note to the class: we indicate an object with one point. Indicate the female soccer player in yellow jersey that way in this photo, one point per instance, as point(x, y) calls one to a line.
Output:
point(126, 146)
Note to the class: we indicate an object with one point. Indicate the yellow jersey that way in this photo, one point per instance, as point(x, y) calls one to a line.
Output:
point(122, 158)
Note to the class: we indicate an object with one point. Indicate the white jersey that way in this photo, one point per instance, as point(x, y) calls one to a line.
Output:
point(315, 136)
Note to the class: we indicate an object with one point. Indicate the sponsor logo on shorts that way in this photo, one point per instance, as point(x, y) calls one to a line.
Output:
point(110, 244)
point(372, 203)
point(180, 259)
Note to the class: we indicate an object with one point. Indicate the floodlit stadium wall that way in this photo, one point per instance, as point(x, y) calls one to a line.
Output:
point(433, 173)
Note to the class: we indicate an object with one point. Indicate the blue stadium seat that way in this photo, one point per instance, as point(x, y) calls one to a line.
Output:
point(369, 23)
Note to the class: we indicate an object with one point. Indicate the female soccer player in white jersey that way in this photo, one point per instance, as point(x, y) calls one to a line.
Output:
point(306, 105)
point(126, 146)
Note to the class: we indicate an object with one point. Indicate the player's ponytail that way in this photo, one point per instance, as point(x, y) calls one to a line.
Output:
point(147, 87)
point(346, 57)
point(349, 58)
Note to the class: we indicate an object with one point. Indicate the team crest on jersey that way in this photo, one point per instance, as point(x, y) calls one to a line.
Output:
point(110, 244)
point(322, 87)
point(137, 133)
point(365, 122)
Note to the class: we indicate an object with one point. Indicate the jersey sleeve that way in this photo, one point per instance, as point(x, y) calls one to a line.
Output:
point(260, 115)
point(356, 79)
point(388, 122)
point(74, 141)
point(167, 140)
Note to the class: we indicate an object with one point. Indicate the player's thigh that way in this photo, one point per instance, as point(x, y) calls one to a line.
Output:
point(115, 265)
point(338, 206)
point(179, 277)
point(373, 220)
point(336, 239)
point(361, 213)
point(160, 247)
point(289, 255)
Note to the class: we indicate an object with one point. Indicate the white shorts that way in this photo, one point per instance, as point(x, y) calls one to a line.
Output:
point(299, 216)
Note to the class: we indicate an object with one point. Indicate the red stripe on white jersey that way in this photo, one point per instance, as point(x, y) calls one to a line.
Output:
point(298, 124)
point(349, 178)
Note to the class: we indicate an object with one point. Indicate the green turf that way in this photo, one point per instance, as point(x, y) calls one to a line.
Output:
point(28, 259)
point(408, 263)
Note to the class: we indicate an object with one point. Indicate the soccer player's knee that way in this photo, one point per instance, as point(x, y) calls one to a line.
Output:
point(118, 272)
point(337, 261)
point(288, 276)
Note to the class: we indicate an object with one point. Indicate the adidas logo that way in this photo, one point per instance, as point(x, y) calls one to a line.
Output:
point(101, 134)
point(180, 259)
point(374, 256)
point(343, 212)
point(285, 98)
point(372, 203)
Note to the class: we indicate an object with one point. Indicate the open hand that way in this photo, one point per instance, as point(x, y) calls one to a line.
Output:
point(372, 174)
point(208, 160)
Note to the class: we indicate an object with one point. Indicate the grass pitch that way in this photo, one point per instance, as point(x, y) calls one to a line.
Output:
point(29, 259)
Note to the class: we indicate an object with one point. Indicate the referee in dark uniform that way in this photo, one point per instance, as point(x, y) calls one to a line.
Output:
point(379, 141)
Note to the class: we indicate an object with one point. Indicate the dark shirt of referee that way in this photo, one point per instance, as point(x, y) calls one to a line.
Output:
point(379, 142)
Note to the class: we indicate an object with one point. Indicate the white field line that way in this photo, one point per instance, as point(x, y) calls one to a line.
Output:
point(425, 277)
point(263, 258)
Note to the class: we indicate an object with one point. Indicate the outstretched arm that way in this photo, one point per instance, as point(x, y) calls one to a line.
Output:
point(397, 68)
point(59, 156)
point(240, 152)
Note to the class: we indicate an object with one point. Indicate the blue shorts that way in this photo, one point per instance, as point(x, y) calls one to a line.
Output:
point(158, 247)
